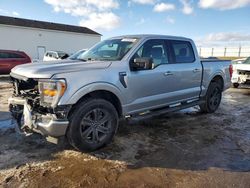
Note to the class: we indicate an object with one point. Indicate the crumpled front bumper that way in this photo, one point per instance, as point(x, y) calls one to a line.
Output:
point(47, 125)
point(240, 79)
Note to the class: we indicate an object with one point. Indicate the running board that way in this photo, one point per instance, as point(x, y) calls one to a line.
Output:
point(161, 111)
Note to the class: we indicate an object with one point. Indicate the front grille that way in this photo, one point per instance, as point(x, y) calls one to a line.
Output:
point(21, 86)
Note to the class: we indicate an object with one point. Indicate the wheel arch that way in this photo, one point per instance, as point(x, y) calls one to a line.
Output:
point(101, 91)
point(219, 79)
point(216, 77)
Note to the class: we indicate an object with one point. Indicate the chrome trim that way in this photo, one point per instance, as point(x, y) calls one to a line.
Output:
point(54, 128)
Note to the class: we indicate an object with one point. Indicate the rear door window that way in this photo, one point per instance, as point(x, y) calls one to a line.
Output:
point(182, 51)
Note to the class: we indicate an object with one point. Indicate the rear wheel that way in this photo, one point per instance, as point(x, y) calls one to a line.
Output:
point(236, 85)
point(93, 124)
point(213, 98)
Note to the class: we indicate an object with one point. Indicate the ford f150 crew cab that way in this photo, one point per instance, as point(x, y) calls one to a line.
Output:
point(135, 77)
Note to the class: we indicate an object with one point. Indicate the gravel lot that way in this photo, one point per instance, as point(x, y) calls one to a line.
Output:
point(183, 149)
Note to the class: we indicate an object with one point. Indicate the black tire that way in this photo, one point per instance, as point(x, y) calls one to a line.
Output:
point(236, 85)
point(212, 98)
point(93, 124)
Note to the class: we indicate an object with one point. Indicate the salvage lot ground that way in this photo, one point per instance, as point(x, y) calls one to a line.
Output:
point(183, 149)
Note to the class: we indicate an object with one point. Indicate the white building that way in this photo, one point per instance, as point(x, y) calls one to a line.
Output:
point(36, 37)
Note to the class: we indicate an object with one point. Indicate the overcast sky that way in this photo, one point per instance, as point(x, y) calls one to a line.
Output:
point(208, 22)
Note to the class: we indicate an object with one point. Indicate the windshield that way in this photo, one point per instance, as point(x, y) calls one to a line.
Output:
point(77, 54)
point(109, 50)
point(247, 61)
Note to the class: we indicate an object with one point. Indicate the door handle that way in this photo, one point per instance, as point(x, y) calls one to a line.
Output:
point(168, 73)
point(196, 70)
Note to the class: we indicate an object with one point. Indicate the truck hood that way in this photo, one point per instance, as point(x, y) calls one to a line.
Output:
point(245, 67)
point(48, 69)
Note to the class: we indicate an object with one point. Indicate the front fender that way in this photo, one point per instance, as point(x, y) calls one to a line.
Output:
point(97, 86)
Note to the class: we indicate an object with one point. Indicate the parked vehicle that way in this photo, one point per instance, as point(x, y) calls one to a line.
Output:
point(241, 73)
point(238, 61)
point(134, 77)
point(54, 55)
point(10, 58)
point(77, 55)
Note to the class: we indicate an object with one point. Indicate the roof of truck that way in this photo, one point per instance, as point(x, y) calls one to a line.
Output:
point(152, 36)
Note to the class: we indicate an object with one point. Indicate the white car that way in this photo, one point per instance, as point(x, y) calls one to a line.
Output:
point(54, 55)
point(238, 61)
point(241, 73)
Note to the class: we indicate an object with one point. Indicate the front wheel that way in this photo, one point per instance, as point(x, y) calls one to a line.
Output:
point(93, 124)
point(212, 98)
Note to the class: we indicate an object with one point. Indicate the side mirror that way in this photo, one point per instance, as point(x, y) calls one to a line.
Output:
point(143, 63)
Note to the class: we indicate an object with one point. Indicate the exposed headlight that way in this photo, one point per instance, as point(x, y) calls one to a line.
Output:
point(51, 91)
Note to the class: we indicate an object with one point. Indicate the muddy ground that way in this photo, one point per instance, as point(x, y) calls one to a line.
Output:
point(183, 149)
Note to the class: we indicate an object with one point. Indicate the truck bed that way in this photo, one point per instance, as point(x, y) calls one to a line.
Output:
point(213, 67)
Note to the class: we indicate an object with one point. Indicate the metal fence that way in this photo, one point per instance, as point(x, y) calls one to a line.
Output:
point(224, 51)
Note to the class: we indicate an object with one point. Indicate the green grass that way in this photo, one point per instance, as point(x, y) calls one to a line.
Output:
point(229, 58)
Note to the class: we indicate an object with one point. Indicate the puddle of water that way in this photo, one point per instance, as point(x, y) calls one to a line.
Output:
point(7, 124)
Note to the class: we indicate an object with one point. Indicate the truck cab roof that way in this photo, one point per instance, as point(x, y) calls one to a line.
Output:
point(146, 36)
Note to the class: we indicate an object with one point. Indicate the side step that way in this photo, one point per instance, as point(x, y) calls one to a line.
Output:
point(161, 111)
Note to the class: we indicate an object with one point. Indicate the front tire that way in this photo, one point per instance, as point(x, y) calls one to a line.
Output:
point(93, 124)
point(212, 98)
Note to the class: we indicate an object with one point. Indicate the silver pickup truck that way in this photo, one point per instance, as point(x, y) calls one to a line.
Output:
point(134, 77)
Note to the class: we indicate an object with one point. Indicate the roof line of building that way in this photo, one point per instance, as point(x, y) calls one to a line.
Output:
point(6, 20)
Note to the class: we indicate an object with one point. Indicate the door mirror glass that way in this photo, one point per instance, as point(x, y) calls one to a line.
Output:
point(142, 63)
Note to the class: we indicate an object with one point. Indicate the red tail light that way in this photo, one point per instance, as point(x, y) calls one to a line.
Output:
point(231, 70)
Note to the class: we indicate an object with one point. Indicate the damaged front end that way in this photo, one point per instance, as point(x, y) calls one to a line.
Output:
point(243, 76)
point(34, 106)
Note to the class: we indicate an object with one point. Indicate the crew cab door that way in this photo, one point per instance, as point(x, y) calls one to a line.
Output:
point(149, 88)
point(167, 82)
point(186, 69)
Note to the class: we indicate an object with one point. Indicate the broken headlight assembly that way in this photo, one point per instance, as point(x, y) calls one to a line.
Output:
point(51, 91)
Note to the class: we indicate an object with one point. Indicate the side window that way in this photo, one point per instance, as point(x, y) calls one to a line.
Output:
point(48, 54)
point(3, 55)
point(54, 55)
point(155, 49)
point(14, 55)
point(183, 52)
